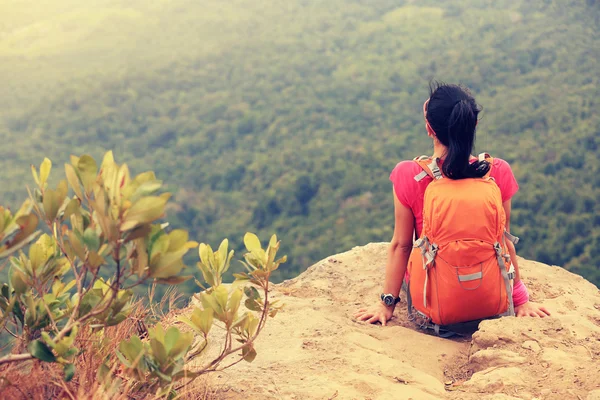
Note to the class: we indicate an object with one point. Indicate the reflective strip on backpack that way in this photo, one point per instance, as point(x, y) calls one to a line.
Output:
point(502, 265)
point(420, 176)
point(470, 277)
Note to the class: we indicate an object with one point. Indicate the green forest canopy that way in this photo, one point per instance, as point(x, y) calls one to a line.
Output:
point(288, 116)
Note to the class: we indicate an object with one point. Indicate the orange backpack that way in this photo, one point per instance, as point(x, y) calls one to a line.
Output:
point(459, 268)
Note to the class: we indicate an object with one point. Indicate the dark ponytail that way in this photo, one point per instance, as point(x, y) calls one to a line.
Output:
point(452, 114)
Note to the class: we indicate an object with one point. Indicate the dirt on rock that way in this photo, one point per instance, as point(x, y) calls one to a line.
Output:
point(314, 349)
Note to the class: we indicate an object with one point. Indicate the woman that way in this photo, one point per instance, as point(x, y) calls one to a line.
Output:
point(450, 120)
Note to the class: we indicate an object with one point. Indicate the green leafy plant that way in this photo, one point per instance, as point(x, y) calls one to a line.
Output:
point(102, 241)
point(166, 358)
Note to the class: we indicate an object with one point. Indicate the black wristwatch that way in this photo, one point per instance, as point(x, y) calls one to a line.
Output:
point(389, 300)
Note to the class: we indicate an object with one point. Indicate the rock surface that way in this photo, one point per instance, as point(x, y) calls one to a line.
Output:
point(313, 349)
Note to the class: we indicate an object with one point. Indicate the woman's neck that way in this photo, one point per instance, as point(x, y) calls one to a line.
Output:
point(439, 150)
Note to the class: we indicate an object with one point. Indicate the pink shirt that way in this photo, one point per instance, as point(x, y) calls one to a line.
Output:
point(410, 192)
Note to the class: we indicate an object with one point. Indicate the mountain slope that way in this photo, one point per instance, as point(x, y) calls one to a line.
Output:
point(289, 117)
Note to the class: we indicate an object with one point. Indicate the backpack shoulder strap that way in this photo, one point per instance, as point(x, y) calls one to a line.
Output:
point(489, 159)
point(429, 166)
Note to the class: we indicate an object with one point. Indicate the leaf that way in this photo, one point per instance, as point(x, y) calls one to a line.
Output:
point(73, 180)
point(132, 348)
point(91, 239)
point(241, 277)
point(240, 321)
point(88, 170)
point(50, 203)
point(166, 266)
point(204, 252)
point(144, 211)
point(209, 302)
point(177, 239)
point(273, 241)
point(72, 208)
point(253, 305)
point(234, 301)
point(62, 189)
point(220, 294)
point(223, 252)
point(273, 312)
point(108, 160)
point(103, 371)
point(177, 342)
point(251, 292)
point(76, 245)
point(40, 351)
point(45, 168)
point(95, 260)
point(74, 160)
point(202, 319)
point(227, 262)
point(252, 242)
point(158, 332)
point(207, 275)
point(282, 260)
point(146, 189)
point(158, 350)
point(248, 353)
point(69, 370)
point(140, 232)
point(18, 280)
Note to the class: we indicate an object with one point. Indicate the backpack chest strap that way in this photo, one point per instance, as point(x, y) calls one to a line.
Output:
point(430, 168)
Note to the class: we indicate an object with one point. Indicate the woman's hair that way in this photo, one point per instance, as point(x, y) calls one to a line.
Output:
point(452, 114)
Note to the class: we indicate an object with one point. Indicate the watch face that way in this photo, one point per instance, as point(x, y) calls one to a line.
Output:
point(388, 300)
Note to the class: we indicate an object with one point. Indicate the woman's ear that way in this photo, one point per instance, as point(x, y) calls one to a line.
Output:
point(430, 131)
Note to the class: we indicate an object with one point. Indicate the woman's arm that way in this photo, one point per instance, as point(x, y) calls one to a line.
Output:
point(400, 248)
point(528, 308)
point(398, 253)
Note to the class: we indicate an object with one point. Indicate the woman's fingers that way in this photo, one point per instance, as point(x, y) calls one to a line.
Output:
point(371, 317)
point(545, 310)
point(542, 312)
point(363, 316)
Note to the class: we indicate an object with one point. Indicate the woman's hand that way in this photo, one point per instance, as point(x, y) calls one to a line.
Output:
point(530, 309)
point(378, 313)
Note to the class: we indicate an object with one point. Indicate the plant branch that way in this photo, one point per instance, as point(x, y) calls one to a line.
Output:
point(263, 318)
point(11, 334)
point(15, 358)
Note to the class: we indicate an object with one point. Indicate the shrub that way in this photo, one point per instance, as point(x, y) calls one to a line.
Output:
point(76, 281)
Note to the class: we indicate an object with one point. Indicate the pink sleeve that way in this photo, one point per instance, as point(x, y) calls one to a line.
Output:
point(405, 185)
point(505, 179)
point(520, 294)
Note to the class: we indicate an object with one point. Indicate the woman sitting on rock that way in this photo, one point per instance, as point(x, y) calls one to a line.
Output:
point(463, 267)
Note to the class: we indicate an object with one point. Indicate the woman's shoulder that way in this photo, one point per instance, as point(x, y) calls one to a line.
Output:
point(403, 179)
point(405, 169)
point(501, 165)
point(505, 178)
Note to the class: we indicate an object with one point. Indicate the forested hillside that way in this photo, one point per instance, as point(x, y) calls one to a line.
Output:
point(288, 116)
